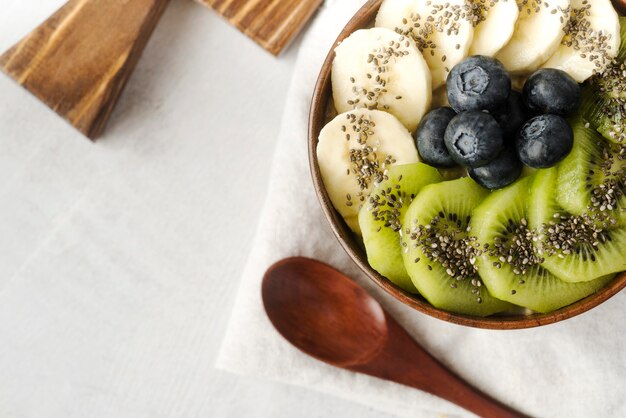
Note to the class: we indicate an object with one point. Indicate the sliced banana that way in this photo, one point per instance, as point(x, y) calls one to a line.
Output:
point(495, 25)
point(442, 30)
point(592, 39)
point(354, 151)
point(538, 34)
point(380, 69)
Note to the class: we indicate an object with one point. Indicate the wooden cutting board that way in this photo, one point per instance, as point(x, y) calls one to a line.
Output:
point(271, 23)
point(79, 60)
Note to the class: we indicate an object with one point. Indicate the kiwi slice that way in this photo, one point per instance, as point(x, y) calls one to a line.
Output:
point(604, 106)
point(575, 248)
point(509, 264)
point(380, 219)
point(592, 178)
point(439, 254)
point(604, 96)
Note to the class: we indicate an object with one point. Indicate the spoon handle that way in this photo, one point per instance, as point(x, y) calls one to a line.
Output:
point(403, 361)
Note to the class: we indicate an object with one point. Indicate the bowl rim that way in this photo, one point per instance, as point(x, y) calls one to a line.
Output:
point(317, 118)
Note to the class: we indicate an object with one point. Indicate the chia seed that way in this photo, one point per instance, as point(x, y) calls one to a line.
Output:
point(514, 246)
point(582, 37)
point(445, 240)
point(381, 60)
point(366, 164)
point(567, 234)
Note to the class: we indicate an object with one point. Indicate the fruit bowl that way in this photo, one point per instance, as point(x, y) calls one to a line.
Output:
point(320, 112)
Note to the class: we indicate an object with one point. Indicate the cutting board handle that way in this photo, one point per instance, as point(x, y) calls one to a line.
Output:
point(78, 61)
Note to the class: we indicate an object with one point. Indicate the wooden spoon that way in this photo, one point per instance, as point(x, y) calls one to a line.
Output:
point(328, 316)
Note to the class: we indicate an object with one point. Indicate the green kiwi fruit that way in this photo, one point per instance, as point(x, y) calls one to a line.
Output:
point(604, 97)
point(592, 178)
point(439, 254)
point(381, 216)
point(575, 248)
point(509, 264)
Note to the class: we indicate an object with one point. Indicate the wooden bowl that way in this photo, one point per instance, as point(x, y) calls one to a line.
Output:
point(318, 118)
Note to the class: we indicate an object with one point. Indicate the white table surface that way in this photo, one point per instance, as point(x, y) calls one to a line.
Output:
point(120, 259)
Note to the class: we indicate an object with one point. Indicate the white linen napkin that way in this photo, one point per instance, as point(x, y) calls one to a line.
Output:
point(576, 368)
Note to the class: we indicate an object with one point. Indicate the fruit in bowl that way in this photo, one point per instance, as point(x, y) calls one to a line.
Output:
point(509, 202)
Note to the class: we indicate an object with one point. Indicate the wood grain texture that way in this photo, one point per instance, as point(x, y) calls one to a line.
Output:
point(317, 119)
point(79, 60)
point(271, 23)
point(328, 316)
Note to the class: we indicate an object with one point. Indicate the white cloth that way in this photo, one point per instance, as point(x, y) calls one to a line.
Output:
point(576, 368)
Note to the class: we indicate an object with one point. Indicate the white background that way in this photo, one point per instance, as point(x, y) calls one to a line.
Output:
point(119, 260)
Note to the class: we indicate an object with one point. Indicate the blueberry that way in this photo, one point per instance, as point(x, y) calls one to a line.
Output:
point(473, 138)
point(478, 83)
point(512, 116)
point(544, 141)
point(552, 91)
point(501, 172)
point(429, 137)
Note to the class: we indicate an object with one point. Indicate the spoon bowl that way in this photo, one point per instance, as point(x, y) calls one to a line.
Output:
point(331, 318)
point(312, 311)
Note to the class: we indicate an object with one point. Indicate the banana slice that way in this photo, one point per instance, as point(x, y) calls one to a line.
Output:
point(538, 33)
point(495, 25)
point(591, 41)
point(442, 30)
point(354, 151)
point(380, 69)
